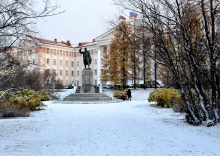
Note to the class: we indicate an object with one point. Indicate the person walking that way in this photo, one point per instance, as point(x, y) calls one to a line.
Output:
point(129, 94)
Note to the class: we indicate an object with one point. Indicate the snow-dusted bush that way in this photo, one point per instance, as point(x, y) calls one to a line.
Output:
point(118, 93)
point(19, 103)
point(44, 95)
point(179, 107)
point(165, 97)
point(27, 98)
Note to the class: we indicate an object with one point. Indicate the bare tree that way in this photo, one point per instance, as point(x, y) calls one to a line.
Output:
point(49, 79)
point(187, 42)
point(17, 18)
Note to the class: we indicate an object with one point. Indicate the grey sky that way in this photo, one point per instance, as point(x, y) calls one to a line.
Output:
point(81, 22)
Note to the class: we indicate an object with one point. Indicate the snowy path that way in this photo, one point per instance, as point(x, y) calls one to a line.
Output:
point(130, 128)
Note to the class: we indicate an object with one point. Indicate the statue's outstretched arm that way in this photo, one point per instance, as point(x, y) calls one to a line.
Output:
point(80, 51)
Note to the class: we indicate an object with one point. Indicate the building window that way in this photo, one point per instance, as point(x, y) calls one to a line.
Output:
point(95, 82)
point(72, 73)
point(48, 50)
point(48, 61)
point(77, 63)
point(61, 52)
point(66, 53)
point(77, 73)
point(54, 62)
point(66, 63)
point(54, 52)
point(60, 72)
point(72, 64)
point(95, 71)
point(61, 62)
point(54, 71)
point(72, 54)
point(66, 72)
point(95, 61)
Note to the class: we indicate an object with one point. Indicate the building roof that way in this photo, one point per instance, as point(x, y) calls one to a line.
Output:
point(105, 35)
point(101, 39)
point(55, 42)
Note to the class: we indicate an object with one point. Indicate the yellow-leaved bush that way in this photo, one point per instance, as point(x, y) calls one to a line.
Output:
point(118, 93)
point(165, 97)
point(26, 98)
point(44, 95)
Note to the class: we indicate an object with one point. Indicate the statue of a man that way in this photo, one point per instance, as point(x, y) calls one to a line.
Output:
point(86, 57)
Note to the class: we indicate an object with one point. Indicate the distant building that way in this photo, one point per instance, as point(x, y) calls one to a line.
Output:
point(63, 58)
point(43, 54)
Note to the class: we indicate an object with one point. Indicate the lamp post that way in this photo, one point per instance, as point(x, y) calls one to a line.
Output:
point(134, 57)
point(144, 50)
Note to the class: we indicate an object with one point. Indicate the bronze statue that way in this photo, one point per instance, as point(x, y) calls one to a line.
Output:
point(86, 57)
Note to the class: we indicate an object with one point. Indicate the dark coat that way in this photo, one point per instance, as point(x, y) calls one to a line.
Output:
point(129, 93)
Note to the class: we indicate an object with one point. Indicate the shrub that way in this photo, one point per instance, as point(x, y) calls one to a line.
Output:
point(44, 95)
point(180, 107)
point(165, 97)
point(20, 103)
point(118, 93)
point(26, 99)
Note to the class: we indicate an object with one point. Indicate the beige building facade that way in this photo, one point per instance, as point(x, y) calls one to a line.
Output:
point(64, 59)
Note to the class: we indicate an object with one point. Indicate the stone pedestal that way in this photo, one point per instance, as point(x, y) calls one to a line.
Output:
point(87, 79)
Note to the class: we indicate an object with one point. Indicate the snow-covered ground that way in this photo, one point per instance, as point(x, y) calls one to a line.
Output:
point(125, 128)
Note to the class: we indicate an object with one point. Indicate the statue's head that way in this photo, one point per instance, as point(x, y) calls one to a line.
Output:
point(85, 49)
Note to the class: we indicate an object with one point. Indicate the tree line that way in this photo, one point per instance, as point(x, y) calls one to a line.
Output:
point(182, 39)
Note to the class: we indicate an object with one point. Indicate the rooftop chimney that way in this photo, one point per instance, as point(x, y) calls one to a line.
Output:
point(68, 43)
point(55, 40)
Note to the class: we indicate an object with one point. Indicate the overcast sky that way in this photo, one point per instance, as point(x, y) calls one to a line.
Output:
point(82, 20)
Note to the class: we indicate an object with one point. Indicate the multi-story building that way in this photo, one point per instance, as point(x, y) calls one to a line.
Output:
point(58, 57)
point(63, 58)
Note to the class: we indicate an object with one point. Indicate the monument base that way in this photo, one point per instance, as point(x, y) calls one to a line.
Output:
point(87, 79)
